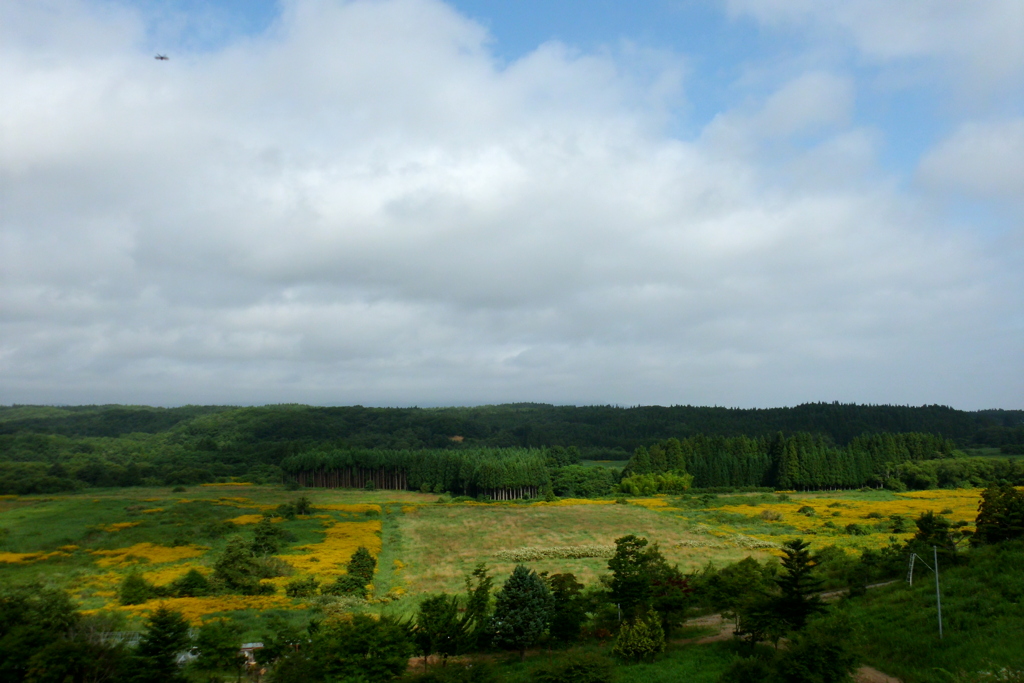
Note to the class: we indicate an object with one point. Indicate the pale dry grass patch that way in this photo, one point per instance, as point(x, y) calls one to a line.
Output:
point(441, 544)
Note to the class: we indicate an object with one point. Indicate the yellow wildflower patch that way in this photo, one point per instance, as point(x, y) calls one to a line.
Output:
point(350, 507)
point(229, 483)
point(151, 511)
point(252, 519)
point(194, 609)
point(650, 503)
point(342, 539)
point(148, 552)
point(69, 548)
point(840, 512)
point(25, 558)
point(117, 526)
point(170, 573)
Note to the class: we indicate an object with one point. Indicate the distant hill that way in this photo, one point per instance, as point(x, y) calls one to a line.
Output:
point(600, 431)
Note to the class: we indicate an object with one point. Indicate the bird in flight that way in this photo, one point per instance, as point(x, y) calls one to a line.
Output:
point(162, 58)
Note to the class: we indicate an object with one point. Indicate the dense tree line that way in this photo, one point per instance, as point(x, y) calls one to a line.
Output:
point(798, 461)
point(498, 473)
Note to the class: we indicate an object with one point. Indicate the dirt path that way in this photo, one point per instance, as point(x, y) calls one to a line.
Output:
point(866, 674)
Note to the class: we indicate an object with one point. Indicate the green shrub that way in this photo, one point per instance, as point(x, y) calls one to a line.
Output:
point(135, 590)
point(856, 530)
point(748, 670)
point(191, 585)
point(302, 588)
point(640, 640)
point(579, 668)
point(362, 565)
point(807, 510)
point(474, 672)
point(346, 584)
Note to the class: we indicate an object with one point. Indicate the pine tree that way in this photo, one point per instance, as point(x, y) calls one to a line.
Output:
point(522, 611)
point(166, 636)
point(799, 588)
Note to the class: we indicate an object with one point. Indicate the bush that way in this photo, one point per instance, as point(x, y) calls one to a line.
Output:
point(640, 640)
point(302, 588)
point(770, 515)
point(346, 584)
point(362, 565)
point(807, 510)
point(192, 585)
point(898, 524)
point(750, 670)
point(856, 530)
point(579, 668)
point(475, 672)
point(135, 590)
point(178, 489)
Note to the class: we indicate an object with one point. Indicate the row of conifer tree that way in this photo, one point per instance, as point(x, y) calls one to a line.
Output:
point(797, 461)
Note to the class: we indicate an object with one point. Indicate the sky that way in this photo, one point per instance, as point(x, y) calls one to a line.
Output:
point(747, 203)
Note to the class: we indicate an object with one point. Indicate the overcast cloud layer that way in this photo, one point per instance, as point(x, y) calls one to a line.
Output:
point(364, 205)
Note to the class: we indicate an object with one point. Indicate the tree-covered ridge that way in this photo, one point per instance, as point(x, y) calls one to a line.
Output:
point(595, 429)
point(48, 449)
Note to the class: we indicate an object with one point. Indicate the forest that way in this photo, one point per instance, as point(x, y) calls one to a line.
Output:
point(45, 449)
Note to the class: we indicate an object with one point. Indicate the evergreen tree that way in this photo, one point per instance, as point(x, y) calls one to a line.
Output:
point(799, 587)
point(522, 611)
point(478, 603)
point(1000, 515)
point(567, 610)
point(165, 638)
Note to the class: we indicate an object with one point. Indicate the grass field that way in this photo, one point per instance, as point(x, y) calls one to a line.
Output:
point(88, 542)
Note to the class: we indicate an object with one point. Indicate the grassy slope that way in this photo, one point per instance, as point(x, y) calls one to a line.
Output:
point(983, 613)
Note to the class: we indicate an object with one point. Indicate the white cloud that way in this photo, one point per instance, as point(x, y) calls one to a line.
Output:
point(980, 39)
point(363, 206)
point(981, 159)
